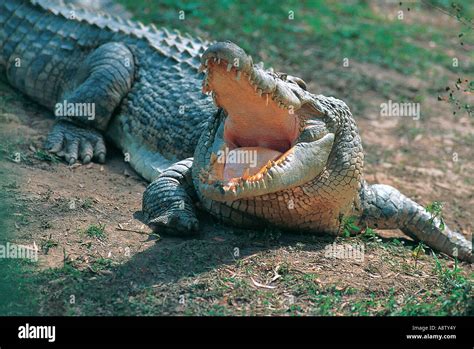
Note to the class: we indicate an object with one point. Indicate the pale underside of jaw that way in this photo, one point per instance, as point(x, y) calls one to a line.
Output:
point(258, 131)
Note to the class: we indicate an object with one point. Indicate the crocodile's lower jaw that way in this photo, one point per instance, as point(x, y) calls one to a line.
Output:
point(246, 162)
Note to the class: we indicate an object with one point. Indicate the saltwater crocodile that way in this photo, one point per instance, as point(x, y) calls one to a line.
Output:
point(255, 149)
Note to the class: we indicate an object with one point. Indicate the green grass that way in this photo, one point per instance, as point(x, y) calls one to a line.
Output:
point(369, 235)
point(319, 30)
point(47, 245)
point(87, 203)
point(435, 209)
point(42, 155)
point(14, 150)
point(349, 226)
point(18, 295)
point(102, 264)
point(96, 231)
point(210, 292)
point(322, 34)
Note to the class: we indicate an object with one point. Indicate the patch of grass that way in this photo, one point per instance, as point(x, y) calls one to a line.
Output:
point(47, 245)
point(217, 310)
point(436, 210)
point(217, 293)
point(13, 148)
point(370, 235)
point(18, 289)
point(297, 31)
point(450, 279)
point(68, 270)
point(102, 264)
point(418, 251)
point(87, 203)
point(45, 156)
point(349, 226)
point(313, 39)
point(96, 231)
point(18, 292)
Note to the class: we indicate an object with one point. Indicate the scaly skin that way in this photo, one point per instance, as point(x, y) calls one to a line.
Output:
point(310, 184)
point(147, 78)
point(145, 84)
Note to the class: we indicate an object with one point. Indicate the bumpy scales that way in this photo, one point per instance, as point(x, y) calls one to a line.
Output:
point(269, 153)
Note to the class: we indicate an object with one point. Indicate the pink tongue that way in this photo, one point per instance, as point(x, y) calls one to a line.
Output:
point(247, 161)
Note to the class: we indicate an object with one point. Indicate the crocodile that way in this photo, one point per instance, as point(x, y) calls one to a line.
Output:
point(206, 126)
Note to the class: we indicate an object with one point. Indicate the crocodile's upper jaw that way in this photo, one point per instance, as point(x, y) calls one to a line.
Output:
point(257, 149)
point(258, 126)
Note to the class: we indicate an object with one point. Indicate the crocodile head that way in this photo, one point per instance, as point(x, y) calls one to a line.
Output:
point(270, 133)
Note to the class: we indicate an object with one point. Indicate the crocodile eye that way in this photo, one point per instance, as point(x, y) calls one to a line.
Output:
point(299, 82)
point(292, 79)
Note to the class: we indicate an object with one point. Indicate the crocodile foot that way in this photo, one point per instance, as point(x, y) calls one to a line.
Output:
point(73, 143)
point(168, 202)
point(176, 222)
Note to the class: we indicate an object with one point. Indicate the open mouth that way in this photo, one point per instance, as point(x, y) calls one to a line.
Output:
point(257, 148)
point(258, 131)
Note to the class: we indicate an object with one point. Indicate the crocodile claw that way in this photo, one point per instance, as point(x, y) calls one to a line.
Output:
point(75, 143)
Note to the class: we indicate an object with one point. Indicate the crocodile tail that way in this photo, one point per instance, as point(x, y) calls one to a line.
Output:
point(384, 207)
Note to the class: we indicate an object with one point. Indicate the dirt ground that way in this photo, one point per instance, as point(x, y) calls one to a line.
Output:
point(63, 199)
point(226, 270)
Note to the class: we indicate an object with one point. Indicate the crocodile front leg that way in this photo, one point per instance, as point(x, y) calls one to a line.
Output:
point(168, 202)
point(384, 207)
point(100, 83)
point(82, 91)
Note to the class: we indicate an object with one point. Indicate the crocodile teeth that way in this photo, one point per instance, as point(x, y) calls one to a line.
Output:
point(259, 92)
point(207, 61)
point(218, 61)
point(238, 76)
point(229, 67)
point(267, 99)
